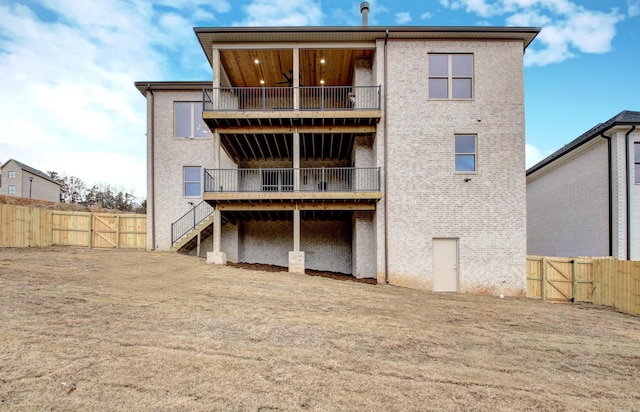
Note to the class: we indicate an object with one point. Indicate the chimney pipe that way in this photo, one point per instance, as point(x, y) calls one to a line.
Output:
point(364, 9)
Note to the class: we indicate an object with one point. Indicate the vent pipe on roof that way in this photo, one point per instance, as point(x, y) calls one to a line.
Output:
point(364, 9)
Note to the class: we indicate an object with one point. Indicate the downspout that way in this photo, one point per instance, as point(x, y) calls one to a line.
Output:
point(628, 194)
point(610, 192)
point(152, 156)
point(386, 169)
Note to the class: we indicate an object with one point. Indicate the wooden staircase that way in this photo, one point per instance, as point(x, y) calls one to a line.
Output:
point(189, 240)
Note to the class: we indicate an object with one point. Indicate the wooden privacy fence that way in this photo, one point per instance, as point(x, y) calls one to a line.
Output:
point(23, 226)
point(601, 281)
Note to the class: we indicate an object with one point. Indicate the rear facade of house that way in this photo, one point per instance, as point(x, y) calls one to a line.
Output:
point(394, 153)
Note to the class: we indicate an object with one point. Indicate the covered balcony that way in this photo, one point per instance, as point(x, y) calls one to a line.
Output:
point(291, 106)
point(282, 185)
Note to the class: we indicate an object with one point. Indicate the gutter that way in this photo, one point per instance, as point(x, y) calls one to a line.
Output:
point(610, 175)
point(386, 169)
point(628, 189)
point(151, 140)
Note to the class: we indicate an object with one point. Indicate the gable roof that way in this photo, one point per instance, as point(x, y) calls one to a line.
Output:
point(32, 171)
point(624, 118)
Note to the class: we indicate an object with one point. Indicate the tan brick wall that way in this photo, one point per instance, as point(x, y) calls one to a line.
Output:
point(427, 199)
point(363, 250)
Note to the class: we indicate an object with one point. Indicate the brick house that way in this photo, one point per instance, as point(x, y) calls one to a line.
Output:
point(583, 200)
point(18, 179)
point(394, 153)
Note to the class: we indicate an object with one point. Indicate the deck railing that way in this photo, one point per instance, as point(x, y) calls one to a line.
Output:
point(331, 179)
point(291, 98)
point(190, 220)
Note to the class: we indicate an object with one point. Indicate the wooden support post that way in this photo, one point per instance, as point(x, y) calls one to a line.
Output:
point(217, 230)
point(296, 230)
point(296, 79)
point(296, 161)
point(198, 246)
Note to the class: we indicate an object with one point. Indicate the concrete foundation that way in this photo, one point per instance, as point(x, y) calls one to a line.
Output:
point(296, 262)
point(217, 258)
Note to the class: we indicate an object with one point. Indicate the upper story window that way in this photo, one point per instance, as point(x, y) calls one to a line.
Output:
point(465, 153)
point(191, 179)
point(11, 174)
point(450, 76)
point(636, 161)
point(188, 121)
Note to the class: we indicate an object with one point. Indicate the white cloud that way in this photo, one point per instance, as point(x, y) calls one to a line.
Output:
point(426, 15)
point(568, 29)
point(633, 8)
point(403, 17)
point(68, 103)
point(533, 155)
point(282, 13)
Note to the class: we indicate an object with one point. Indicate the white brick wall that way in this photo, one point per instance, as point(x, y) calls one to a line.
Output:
point(426, 197)
point(568, 205)
point(327, 244)
point(170, 156)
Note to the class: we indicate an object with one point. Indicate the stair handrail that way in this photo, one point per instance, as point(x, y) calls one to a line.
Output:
point(190, 220)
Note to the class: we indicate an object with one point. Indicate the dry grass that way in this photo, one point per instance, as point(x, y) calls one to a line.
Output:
point(126, 330)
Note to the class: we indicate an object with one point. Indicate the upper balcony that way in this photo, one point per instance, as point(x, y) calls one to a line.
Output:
point(230, 107)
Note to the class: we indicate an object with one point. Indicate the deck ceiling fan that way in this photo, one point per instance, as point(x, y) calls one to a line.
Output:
point(289, 79)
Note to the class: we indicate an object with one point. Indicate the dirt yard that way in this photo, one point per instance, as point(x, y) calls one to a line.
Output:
point(127, 330)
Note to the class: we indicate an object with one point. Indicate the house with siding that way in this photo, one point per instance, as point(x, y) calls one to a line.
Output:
point(584, 199)
point(18, 179)
point(393, 153)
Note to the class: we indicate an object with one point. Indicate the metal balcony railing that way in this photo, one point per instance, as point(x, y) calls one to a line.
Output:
point(330, 179)
point(291, 98)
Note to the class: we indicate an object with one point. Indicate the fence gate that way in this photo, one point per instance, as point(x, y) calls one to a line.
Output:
point(560, 279)
point(105, 231)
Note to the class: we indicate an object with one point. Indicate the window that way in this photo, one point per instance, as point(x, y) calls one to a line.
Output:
point(192, 179)
point(465, 153)
point(11, 190)
point(636, 161)
point(450, 76)
point(11, 174)
point(188, 121)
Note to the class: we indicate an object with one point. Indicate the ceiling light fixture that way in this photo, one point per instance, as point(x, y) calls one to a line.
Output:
point(321, 81)
point(256, 61)
point(261, 81)
point(322, 61)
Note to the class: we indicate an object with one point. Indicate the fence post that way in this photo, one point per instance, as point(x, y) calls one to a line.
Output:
point(90, 235)
point(575, 280)
point(543, 292)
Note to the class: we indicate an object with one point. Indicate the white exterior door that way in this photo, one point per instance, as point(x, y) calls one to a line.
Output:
point(445, 265)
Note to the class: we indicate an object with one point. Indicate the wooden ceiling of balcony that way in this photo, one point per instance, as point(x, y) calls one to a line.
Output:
point(270, 215)
point(273, 65)
point(275, 147)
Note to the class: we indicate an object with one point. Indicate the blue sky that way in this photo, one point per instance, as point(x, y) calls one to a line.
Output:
point(67, 67)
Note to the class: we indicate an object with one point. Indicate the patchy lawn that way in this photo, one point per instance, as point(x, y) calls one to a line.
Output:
point(128, 330)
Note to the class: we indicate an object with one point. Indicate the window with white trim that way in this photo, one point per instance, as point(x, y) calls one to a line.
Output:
point(636, 161)
point(192, 178)
point(450, 76)
point(465, 147)
point(11, 190)
point(187, 120)
point(11, 174)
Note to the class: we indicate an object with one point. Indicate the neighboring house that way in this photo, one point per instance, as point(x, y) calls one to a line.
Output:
point(21, 180)
point(394, 153)
point(584, 199)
